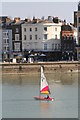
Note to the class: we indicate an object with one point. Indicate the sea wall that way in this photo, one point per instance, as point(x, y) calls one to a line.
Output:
point(49, 67)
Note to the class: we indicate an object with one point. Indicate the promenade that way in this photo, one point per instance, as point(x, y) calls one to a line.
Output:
point(49, 67)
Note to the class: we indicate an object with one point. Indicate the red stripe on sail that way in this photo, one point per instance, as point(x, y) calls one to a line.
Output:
point(45, 89)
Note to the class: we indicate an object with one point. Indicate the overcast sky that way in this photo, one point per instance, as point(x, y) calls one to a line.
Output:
point(63, 10)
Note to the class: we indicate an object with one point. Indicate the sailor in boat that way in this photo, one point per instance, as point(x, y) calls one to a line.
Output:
point(47, 96)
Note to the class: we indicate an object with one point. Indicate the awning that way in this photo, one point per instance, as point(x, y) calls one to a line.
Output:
point(42, 55)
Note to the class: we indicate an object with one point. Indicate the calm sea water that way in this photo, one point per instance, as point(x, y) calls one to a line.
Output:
point(18, 93)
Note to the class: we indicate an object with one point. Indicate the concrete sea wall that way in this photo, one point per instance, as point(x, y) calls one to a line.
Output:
point(49, 67)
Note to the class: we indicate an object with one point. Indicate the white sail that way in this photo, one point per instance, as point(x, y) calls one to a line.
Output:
point(44, 85)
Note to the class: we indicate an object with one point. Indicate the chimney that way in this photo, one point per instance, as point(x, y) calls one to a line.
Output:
point(36, 20)
point(64, 22)
point(8, 19)
point(27, 20)
point(50, 18)
point(46, 21)
point(55, 19)
point(42, 18)
point(33, 17)
point(16, 19)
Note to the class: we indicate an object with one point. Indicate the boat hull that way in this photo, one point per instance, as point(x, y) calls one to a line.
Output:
point(43, 98)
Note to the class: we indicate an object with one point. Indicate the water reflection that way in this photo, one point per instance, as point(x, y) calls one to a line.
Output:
point(44, 107)
point(20, 79)
point(57, 77)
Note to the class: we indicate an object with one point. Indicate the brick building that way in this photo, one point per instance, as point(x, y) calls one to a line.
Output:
point(67, 42)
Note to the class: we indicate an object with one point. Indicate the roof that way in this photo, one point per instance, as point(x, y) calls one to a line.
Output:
point(66, 28)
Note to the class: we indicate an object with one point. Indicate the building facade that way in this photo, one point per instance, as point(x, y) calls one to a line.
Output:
point(67, 42)
point(41, 37)
point(16, 37)
point(78, 31)
point(6, 39)
point(6, 35)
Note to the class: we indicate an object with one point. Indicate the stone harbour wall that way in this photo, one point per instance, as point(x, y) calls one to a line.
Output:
point(49, 67)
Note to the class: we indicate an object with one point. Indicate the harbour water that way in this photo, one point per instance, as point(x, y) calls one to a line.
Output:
point(18, 93)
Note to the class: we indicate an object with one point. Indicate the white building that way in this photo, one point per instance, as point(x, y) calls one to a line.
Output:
point(41, 36)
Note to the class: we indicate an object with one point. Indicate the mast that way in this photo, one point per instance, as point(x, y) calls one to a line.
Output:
point(44, 88)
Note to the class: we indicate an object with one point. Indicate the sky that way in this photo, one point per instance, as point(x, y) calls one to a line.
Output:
point(63, 10)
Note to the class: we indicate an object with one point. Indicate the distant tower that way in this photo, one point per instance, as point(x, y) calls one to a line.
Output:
point(75, 18)
point(79, 6)
point(78, 31)
point(78, 23)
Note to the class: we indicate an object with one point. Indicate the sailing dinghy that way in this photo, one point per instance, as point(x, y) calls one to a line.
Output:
point(44, 88)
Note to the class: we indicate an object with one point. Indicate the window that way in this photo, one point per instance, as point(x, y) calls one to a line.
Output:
point(30, 29)
point(45, 46)
point(67, 37)
point(55, 36)
point(71, 37)
point(16, 37)
point(45, 36)
point(67, 46)
point(71, 46)
point(4, 40)
point(30, 37)
point(7, 48)
point(17, 46)
point(55, 29)
point(58, 46)
point(4, 48)
point(52, 46)
point(36, 29)
point(17, 30)
point(45, 28)
point(64, 37)
point(24, 29)
point(7, 40)
point(24, 37)
point(7, 34)
point(55, 46)
point(35, 37)
point(64, 46)
point(4, 34)
point(79, 19)
point(79, 29)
